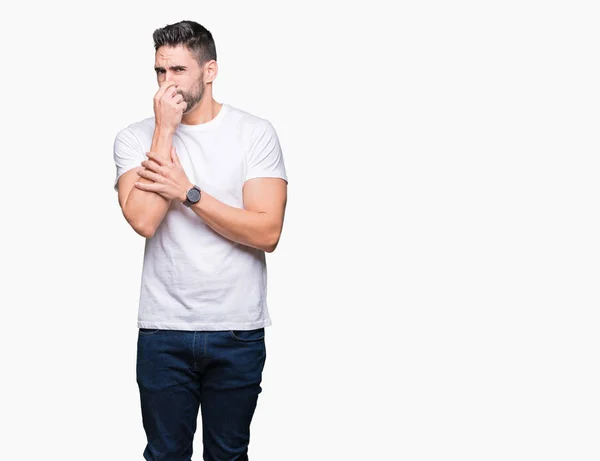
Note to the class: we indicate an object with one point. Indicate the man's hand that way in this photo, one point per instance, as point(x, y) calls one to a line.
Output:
point(170, 181)
point(168, 107)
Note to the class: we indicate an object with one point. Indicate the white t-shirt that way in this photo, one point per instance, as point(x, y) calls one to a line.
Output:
point(192, 277)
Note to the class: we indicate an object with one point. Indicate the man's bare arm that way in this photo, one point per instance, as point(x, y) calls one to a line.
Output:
point(259, 223)
point(145, 210)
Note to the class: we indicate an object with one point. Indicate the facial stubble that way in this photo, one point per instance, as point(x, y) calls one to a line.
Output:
point(193, 97)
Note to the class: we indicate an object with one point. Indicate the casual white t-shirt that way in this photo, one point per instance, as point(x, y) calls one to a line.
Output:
point(192, 277)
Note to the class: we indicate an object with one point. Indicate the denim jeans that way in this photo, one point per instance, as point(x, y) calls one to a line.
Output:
point(179, 372)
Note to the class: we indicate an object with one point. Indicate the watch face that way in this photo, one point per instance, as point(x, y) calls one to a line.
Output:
point(193, 195)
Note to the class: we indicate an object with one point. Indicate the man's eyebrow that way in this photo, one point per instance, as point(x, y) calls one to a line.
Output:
point(157, 68)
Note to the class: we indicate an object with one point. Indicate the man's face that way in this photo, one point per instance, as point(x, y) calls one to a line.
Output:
point(176, 64)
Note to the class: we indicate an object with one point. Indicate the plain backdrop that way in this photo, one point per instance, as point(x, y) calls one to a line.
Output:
point(434, 295)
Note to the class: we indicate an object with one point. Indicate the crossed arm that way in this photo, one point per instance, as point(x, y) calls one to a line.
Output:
point(258, 224)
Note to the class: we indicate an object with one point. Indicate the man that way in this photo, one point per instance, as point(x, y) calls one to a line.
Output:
point(206, 184)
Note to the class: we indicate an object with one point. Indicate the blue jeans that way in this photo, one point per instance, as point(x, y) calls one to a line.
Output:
point(218, 372)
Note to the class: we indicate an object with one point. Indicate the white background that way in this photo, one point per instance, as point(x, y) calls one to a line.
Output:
point(434, 295)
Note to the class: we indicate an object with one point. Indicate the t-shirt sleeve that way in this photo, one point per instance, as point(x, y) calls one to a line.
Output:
point(264, 158)
point(127, 152)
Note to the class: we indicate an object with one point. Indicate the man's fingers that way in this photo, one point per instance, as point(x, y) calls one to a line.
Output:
point(151, 187)
point(150, 175)
point(171, 92)
point(154, 157)
point(151, 164)
point(163, 88)
point(162, 164)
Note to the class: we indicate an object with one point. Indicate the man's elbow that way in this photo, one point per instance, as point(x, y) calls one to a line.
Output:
point(141, 227)
point(145, 232)
point(272, 241)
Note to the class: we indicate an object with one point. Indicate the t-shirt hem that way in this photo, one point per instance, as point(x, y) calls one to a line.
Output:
point(204, 326)
point(265, 175)
point(123, 171)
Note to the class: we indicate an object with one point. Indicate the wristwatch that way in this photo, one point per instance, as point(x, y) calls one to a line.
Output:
point(192, 196)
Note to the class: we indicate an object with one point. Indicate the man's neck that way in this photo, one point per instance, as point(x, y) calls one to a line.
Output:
point(204, 112)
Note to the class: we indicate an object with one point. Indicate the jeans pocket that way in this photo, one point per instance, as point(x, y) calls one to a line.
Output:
point(147, 331)
point(248, 336)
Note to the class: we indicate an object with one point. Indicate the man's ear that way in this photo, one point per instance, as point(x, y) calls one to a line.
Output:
point(210, 71)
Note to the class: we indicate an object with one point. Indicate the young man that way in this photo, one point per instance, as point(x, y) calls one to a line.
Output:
point(206, 184)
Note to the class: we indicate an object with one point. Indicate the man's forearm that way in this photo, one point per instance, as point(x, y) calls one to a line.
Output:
point(250, 228)
point(162, 141)
point(146, 208)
